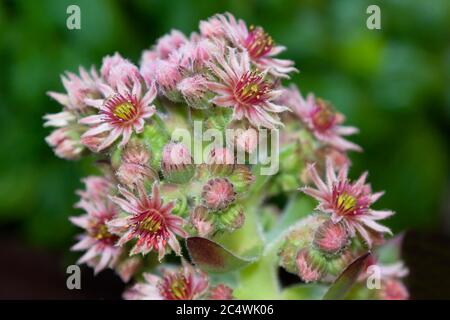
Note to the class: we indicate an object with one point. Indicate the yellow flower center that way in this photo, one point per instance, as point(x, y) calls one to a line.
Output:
point(346, 202)
point(124, 111)
point(102, 232)
point(150, 224)
point(178, 288)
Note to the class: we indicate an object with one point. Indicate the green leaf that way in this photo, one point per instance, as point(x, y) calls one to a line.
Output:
point(304, 292)
point(299, 206)
point(342, 285)
point(259, 280)
point(210, 256)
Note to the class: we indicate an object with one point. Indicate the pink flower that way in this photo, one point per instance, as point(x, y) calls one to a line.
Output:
point(393, 289)
point(149, 221)
point(259, 45)
point(60, 119)
point(66, 143)
point(123, 112)
point(186, 283)
point(97, 240)
point(319, 117)
point(116, 69)
point(391, 286)
point(244, 90)
point(347, 202)
point(78, 88)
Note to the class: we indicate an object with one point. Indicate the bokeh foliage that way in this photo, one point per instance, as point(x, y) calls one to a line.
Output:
point(392, 83)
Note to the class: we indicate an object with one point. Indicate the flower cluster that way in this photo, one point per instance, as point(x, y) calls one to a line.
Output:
point(155, 200)
point(186, 283)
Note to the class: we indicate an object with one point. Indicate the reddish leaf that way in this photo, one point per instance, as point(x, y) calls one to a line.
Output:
point(212, 257)
point(341, 286)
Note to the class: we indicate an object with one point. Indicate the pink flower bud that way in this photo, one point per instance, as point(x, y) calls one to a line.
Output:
point(93, 142)
point(135, 167)
point(149, 65)
point(169, 43)
point(247, 140)
point(193, 90)
point(220, 161)
point(220, 156)
point(331, 237)
point(306, 268)
point(177, 163)
point(65, 143)
point(220, 292)
point(116, 69)
point(201, 221)
point(218, 194)
point(175, 154)
point(167, 77)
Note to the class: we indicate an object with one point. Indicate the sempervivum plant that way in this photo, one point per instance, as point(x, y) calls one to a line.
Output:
point(183, 211)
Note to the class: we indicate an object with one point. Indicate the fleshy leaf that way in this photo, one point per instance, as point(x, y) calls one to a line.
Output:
point(210, 256)
point(304, 292)
point(342, 285)
point(297, 208)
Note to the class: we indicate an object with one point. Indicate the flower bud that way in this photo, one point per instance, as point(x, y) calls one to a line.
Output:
point(220, 162)
point(135, 165)
point(242, 178)
point(194, 90)
point(115, 69)
point(298, 238)
point(201, 220)
point(220, 292)
point(230, 219)
point(331, 237)
point(167, 77)
point(177, 163)
point(247, 140)
point(308, 269)
point(218, 194)
point(66, 143)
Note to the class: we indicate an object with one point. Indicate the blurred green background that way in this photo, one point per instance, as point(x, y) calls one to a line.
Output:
point(392, 83)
